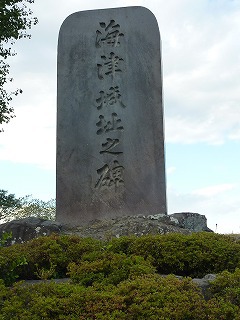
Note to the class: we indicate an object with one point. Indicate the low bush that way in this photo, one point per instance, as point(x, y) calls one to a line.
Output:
point(118, 280)
point(12, 264)
point(146, 297)
point(108, 268)
point(154, 297)
point(225, 292)
point(193, 255)
point(44, 252)
point(227, 286)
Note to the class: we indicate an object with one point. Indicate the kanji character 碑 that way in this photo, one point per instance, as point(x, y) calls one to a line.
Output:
point(110, 176)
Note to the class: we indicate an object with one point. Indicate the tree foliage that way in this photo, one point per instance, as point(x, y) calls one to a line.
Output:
point(31, 207)
point(18, 208)
point(8, 203)
point(15, 21)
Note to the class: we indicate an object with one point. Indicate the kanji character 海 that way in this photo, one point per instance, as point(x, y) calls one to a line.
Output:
point(109, 34)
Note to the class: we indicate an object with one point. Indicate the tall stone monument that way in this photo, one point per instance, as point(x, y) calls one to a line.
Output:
point(110, 139)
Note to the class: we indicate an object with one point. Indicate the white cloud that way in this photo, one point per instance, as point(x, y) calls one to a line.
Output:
point(171, 170)
point(132, 3)
point(31, 136)
point(31, 141)
point(219, 124)
point(201, 65)
point(235, 135)
point(221, 208)
point(214, 190)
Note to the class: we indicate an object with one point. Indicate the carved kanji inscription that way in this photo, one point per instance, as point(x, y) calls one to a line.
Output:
point(110, 66)
point(110, 176)
point(108, 34)
point(113, 124)
point(106, 99)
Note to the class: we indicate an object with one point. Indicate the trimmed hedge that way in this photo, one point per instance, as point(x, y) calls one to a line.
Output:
point(108, 268)
point(146, 297)
point(119, 279)
point(192, 255)
point(44, 252)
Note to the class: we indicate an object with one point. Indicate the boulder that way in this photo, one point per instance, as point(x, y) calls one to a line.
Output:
point(191, 221)
point(28, 228)
point(204, 284)
point(126, 226)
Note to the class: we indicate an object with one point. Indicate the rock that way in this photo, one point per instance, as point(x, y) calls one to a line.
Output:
point(125, 226)
point(191, 221)
point(28, 228)
point(204, 284)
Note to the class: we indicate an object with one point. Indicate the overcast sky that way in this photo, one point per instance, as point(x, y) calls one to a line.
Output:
point(201, 84)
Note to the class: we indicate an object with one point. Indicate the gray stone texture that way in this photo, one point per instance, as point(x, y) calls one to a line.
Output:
point(191, 221)
point(26, 229)
point(205, 284)
point(110, 140)
point(29, 228)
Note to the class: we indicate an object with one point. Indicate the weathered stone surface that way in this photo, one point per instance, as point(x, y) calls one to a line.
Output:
point(126, 226)
point(110, 141)
point(29, 228)
point(205, 284)
point(189, 220)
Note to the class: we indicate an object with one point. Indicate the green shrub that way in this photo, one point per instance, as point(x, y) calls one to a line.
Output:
point(108, 268)
point(46, 273)
point(227, 286)
point(193, 255)
point(5, 237)
point(146, 297)
point(59, 251)
point(12, 263)
point(43, 252)
point(220, 309)
point(117, 280)
point(154, 297)
point(225, 293)
point(121, 245)
point(60, 301)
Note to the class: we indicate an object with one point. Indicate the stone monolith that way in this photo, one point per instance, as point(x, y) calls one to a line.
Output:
point(110, 135)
